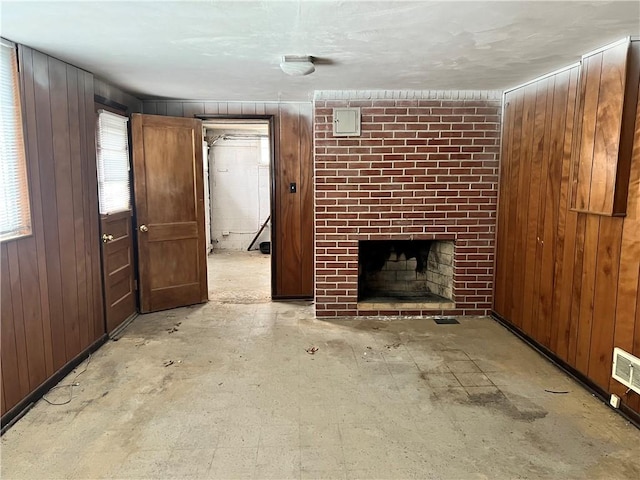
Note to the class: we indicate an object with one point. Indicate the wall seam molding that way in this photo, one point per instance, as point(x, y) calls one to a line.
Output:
point(407, 95)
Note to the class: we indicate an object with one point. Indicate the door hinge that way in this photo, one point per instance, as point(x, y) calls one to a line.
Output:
point(135, 284)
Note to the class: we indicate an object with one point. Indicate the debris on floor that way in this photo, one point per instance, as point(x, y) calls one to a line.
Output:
point(557, 392)
point(174, 328)
point(168, 363)
point(311, 350)
point(393, 345)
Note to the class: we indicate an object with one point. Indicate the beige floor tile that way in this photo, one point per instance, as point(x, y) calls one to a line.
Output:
point(144, 464)
point(320, 414)
point(278, 462)
point(396, 398)
point(441, 380)
point(280, 435)
point(319, 434)
point(473, 379)
point(190, 463)
point(240, 436)
point(462, 366)
point(233, 463)
point(324, 474)
point(322, 457)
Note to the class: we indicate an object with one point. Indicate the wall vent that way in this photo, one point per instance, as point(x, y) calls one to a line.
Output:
point(626, 369)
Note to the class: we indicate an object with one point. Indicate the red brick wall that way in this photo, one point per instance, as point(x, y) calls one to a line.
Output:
point(421, 169)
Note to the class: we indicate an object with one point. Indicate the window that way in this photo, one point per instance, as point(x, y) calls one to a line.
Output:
point(15, 215)
point(113, 163)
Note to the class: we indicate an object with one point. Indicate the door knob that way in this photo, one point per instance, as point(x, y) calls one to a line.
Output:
point(106, 238)
point(144, 228)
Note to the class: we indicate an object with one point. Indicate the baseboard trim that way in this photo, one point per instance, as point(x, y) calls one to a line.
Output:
point(18, 411)
point(630, 415)
point(277, 298)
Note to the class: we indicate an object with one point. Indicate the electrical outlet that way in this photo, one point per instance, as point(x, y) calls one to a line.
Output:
point(614, 401)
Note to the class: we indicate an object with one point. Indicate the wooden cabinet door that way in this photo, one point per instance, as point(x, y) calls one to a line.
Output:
point(605, 129)
point(169, 198)
point(117, 268)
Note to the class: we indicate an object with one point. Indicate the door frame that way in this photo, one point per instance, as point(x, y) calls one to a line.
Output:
point(272, 181)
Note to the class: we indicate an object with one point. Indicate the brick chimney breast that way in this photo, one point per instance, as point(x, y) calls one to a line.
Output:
point(425, 167)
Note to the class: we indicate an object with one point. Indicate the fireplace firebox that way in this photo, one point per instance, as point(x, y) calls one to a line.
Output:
point(405, 271)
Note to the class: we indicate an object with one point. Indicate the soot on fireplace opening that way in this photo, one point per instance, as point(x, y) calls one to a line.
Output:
point(405, 270)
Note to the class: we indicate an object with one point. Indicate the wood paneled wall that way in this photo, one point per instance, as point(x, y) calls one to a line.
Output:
point(51, 292)
point(607, 99)
point(293, 222)
point(568, 280)
point(103, 89)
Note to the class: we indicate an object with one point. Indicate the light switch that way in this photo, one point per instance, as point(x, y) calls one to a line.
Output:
point(293, 188)
point(346, 122)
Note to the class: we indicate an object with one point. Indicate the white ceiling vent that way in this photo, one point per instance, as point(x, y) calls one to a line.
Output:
point(626, 369)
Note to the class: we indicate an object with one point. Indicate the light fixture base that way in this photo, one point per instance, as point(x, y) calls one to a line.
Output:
point(297, 65)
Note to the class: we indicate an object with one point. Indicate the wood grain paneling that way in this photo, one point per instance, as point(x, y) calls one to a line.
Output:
point(589, 91)
point(306, 199)
point(607, 100)
point(627, 316)
point(565, 234)
point(514, 175)
point(51, 290)
point(287, 203)
point(567, 279)
point(529, 190)
point(292, 217)
point(105, 90)
point(550, 200)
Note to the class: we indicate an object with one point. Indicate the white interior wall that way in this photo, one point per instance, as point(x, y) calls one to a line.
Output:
point(239, 189)
point(207, 196)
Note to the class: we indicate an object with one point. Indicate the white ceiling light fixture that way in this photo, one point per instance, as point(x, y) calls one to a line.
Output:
point(297, 65)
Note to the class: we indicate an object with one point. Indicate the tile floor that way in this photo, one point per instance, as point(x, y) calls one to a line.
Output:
point(228, 390)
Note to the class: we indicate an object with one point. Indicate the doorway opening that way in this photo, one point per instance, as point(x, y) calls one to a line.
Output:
point(238, 193)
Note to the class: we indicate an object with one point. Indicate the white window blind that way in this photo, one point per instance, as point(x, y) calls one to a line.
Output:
point(113, 163)
point(15, 216)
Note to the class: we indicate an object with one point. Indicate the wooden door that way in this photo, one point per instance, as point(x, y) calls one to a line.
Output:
point(169, 198)
point(292, 216)
point(117, 268)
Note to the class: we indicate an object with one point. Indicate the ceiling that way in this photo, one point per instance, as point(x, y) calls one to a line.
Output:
point(230, 50)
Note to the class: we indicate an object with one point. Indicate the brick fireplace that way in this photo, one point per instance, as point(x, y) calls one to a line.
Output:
point(424, 169)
